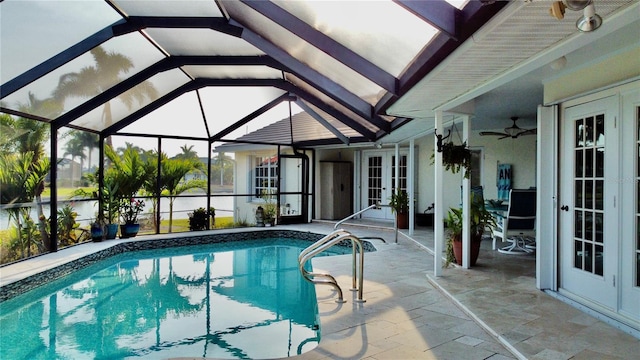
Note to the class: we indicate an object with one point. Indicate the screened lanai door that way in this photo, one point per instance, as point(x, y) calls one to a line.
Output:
point(590, 232)
point(378, 175)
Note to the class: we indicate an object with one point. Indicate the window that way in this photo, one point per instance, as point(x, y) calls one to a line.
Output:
point(265, 175)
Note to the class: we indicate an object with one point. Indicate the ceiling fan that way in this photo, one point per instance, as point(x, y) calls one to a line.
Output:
point(512, 131)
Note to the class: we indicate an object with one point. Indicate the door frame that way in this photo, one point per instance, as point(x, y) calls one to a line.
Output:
point(387, 180)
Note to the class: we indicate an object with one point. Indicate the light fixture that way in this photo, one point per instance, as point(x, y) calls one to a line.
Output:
point(558, 63)
point(577, 5)
point(590, 20)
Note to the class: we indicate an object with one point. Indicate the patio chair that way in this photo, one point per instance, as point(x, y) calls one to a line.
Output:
point(517, 226)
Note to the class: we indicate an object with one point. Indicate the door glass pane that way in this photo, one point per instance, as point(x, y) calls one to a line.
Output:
point(578, 255)
point(579, 171)
point(579, 134)
point(403, 172)
point(599, 194)
point(599, 162)
point(598, 260)
point(588, 128)
point(588, 163)
point(599, 228)
point(579, 198)
point(588, 258)
point(375, 180)
point(599, 135)
point(578, 224)
point(589, 194)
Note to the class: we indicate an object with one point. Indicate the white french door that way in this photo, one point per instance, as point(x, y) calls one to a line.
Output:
point(589, 203)
point(378, 172)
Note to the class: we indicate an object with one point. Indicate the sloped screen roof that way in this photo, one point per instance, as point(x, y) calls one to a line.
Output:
point(218, 70)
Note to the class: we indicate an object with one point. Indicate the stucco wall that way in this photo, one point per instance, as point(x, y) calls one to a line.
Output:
point(520, 152)
point(624, 65)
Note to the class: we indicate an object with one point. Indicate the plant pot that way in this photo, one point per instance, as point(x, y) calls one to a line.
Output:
point(403, 220)
point(475, 251)
point(97, 233)
point(112, 231)
point(129, 230)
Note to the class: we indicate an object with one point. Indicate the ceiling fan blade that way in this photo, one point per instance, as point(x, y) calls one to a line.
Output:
point(493, 133)
point(528, 132)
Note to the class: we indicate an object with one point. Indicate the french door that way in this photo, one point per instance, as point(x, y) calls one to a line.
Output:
point(589, 233)
point(378, 175)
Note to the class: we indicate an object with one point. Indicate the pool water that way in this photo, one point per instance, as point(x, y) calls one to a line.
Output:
point(217, 300)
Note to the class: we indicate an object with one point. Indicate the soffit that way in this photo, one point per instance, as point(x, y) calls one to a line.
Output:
point(521, 31)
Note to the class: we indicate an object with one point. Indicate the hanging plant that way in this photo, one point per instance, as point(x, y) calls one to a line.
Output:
point(456, 157)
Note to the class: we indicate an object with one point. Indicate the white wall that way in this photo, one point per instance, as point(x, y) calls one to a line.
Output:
point(520, 152)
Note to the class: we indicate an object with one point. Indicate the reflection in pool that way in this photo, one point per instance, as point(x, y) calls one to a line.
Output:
point(198, 301)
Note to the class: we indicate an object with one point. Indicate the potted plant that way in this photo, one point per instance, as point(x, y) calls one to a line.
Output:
point(269, 208)
point(481, 220)
point(98, 229)
point(399, 203)
point(129, 211)
point(456, 158)
point(270, 213)
point(110, 207)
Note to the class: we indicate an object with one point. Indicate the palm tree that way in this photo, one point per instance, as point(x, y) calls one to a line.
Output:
point(93, 80)
point(222, 161)
point(172, 176)
point(88, 141)
point(75, 148)
point(187, 152)
point(128, 172)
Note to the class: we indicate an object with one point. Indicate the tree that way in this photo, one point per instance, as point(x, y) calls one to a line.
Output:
point(128, 172)
point(20, 179)
point(88, 140)
point(172, 179)
point(75, 148)
point(187, 152)
point(29, 136)
point(93, 80)
point(222, 161)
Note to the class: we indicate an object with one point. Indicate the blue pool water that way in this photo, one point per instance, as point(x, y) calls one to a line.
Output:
point(214, 300)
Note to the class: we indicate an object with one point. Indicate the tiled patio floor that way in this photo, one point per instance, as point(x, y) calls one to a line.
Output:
point(492, 311)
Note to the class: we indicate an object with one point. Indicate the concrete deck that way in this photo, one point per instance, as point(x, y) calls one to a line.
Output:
point(492, 311)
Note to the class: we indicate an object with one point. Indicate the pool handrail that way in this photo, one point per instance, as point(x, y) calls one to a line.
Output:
point(324, 278)
point(376, 206)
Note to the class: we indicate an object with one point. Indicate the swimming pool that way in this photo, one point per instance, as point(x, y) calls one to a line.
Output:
point(213, 300)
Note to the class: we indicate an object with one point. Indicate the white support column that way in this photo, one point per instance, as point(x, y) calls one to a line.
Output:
point(396, 176)
point(411, 185)
point(466, 204)
point(438, 211)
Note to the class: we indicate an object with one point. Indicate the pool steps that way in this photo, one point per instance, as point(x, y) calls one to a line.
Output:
point(325, 243)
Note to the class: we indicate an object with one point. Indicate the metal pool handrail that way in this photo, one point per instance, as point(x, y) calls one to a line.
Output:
point(325, 278)
point(376, 205)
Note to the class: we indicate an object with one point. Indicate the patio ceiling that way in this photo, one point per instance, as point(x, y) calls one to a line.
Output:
point(215, 70)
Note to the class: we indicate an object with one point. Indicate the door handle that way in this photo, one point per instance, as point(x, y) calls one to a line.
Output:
point(564, 207)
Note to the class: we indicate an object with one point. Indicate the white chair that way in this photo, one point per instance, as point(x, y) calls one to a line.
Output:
point(517, 226)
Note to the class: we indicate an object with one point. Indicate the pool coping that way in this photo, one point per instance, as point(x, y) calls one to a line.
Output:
point(18, 278)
